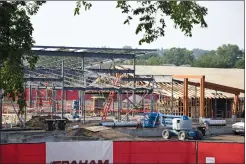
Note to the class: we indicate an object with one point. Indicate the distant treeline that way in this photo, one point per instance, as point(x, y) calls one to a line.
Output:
point(226, 56)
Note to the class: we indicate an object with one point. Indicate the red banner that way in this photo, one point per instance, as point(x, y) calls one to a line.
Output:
point(23, 153)
point(221, 152)
point(124, 152)
point(154, 152)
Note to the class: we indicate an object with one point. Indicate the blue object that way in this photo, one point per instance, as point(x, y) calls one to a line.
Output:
point(185, 118)
point(76, 115)
point(150, 120)
point(76, 105)
point(154, 119)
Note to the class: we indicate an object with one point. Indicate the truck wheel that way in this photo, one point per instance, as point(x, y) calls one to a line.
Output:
point(139, 125)
point(199, 135)
point(166, 134)
point(182, 135)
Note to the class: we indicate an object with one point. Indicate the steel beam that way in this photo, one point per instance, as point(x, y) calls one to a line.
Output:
point(111, 70)
point(99, 89)
point(41, 79)
point(91, 48)
point(137, 79)
point(83, 54)
point(53, 69)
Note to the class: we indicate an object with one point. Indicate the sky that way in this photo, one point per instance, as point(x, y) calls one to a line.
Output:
point(56, 25)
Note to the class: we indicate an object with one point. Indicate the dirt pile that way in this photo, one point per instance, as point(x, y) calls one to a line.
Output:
point(109, 134)
point(38, 121)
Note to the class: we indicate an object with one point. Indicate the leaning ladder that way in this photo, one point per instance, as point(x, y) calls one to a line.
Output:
point(109, 100)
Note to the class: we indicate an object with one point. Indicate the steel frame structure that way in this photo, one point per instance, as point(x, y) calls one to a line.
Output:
point(80, 68)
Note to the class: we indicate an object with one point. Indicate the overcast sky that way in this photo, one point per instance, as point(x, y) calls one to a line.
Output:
point(55, 25)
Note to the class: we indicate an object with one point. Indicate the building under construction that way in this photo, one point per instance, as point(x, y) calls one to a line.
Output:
point(67, 74)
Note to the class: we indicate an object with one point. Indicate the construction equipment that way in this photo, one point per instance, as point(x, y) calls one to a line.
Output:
point(173, 125)
point(109, 100)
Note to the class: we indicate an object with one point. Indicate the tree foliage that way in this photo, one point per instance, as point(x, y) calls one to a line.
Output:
point(15, 46)
point(185, 14)
point(226, 56)
point(178, 56)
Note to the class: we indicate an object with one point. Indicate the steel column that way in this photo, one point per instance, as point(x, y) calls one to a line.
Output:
point(83, 106)
point(119, 105)
point(53, 100)
point(80, 102)
point(127, 106)
point(62, 88)
point(172, 95)
point(25, 106)
point(1, 107)
point(83, 93)
point(30, 96)
point(134, 83)
point(152, 97)
point(226, 109)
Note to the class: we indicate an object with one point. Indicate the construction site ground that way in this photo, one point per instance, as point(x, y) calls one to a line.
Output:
point(80, 131)
point(113, 134)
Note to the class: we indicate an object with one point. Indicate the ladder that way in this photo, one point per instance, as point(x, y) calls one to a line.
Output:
point(109, 100)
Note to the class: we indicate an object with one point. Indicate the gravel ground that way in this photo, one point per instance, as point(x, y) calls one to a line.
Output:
point(218, 138)
point(231, 138)
point(112, 134)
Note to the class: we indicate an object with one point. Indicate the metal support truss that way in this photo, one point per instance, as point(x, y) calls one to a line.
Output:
point(83, 54)
point(137, 79)
point(101, 89)
point(41, 79)
point(111, 70)
point(96, 49)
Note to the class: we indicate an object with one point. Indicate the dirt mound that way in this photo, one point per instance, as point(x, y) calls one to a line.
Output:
point(109, 134)
point(38, 121)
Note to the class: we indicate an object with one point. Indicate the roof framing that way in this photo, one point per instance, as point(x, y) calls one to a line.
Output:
point(90, 52)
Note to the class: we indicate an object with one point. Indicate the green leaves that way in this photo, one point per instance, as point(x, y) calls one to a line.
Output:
point(87, 6)
point(226, 56)
point(15, 46)
point(185, 14)
point(178, 56)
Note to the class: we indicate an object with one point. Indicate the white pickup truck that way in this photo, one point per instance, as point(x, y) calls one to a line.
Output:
point(238, 128)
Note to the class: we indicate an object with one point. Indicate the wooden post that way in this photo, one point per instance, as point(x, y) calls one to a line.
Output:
point(186, 102)
point(202, 95)
point(235, 105)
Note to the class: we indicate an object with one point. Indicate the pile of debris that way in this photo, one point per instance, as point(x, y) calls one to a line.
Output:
point(39, 121)
point(101, 132)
